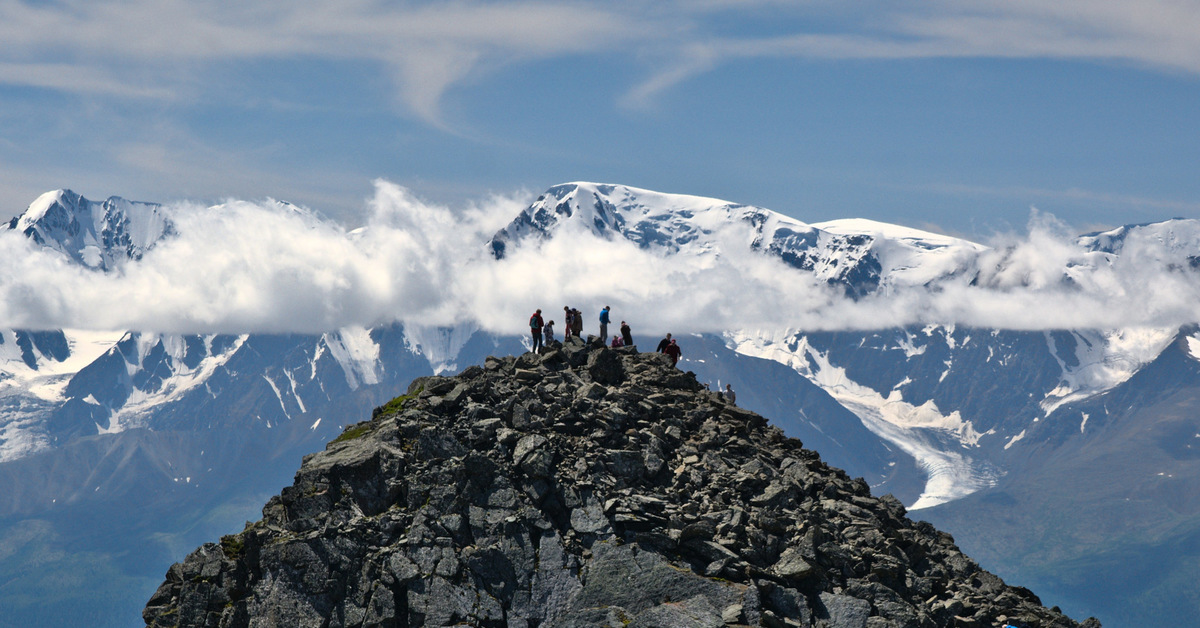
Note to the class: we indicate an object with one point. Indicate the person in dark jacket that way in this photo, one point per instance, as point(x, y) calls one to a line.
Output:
point(626, 334)
point(674, 351)
point(568, 325)
point(577, 323)
point(662, 344)
point(535, 329)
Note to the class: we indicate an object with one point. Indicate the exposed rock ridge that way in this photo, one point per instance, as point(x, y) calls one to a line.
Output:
point(582, 487)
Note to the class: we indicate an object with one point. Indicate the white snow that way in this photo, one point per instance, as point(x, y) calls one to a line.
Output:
point(182, 379)
point(938, 442)
point(1193, 345)
point(143, 223)
point(1105, 359)
point(282, 405)
point(439, 345)
point(356, 353)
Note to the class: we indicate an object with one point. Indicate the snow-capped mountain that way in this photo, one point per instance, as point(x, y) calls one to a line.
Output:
point(858, 256)
point(96, 234)
point(956, 421)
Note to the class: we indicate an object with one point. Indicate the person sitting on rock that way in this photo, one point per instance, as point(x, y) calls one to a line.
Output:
point(674, 351)
point(730, 396)
point(662, 344)
point(617, 342)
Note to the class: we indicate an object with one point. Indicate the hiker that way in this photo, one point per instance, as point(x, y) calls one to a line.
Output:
point(548, 332)
point(617, 342)
point(567, 326)
point(663, 344)
point(535, 329)
point(674, 351)
point(604, 323)
point(577, 323)
point(626, 335)
point(730, 396)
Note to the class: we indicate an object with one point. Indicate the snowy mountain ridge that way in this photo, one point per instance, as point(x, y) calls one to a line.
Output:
point(937, 414)
point(856, 255)
point(96, 234)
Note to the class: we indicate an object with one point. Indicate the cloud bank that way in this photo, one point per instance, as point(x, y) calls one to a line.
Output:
point(268, 267)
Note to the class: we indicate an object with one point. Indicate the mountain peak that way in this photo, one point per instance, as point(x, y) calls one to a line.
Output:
point(582, 486)
point(96, 234)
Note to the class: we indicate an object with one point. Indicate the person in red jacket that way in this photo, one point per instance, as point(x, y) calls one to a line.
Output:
point(535, 329)
point(674, 351)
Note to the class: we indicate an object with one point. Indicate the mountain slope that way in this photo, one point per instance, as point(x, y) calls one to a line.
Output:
point(580, 487)
point(1107, 486)
point(845, 255)
point(95, 234)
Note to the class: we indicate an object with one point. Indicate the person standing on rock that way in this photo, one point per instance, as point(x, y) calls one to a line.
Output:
point(730, 396)
point(626, 335)
point(663, 344)
point(674, 351)
point(535, 329)
point(548, 332)
point(567, 323)
point(604, 323)
point(577, 323)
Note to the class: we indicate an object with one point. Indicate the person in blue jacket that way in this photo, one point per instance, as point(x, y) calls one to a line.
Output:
point(604, 322)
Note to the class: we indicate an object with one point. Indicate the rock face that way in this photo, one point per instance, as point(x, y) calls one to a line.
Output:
point(581, 487)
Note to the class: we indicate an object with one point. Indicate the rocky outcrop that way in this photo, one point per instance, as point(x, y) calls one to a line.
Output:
point(583, 486)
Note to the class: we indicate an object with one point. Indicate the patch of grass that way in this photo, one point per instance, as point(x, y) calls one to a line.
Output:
point(397, 404)
point(233, 545)
point(353, 432)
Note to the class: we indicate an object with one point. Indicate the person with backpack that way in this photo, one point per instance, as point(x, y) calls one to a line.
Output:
point(626, 335)
point(604, 323)
point(577, 323)
point(674, 351)
point(535, 329)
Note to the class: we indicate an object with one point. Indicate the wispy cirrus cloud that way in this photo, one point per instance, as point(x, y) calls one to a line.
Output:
point(150, 48)
point(141, 48)
point(1158, 34)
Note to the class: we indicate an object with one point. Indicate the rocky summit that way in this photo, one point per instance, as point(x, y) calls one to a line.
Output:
point(582, 486)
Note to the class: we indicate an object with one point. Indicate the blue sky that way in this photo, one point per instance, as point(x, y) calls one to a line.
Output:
point(955, 116)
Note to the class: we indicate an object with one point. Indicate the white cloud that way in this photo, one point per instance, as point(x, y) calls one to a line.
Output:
point(152, 48)
point(144, 48)
point(268, 267)
point(1160, 34)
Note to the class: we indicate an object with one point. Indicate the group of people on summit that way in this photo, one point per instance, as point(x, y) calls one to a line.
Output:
point(542, 332)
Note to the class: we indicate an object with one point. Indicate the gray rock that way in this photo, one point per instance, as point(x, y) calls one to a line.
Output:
point(581, 487)
point(843, 611)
